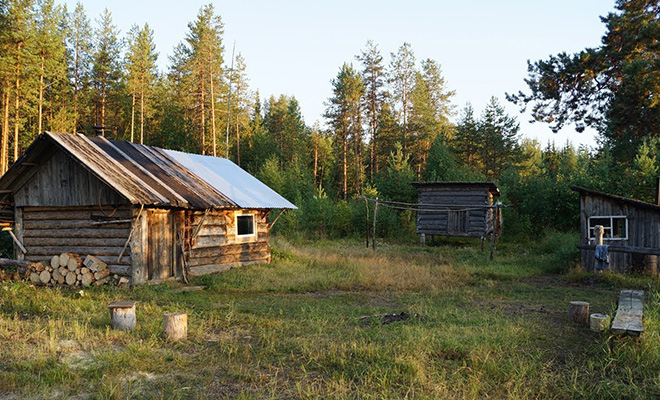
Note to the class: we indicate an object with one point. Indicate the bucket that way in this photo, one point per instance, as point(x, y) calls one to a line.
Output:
point(599, 322)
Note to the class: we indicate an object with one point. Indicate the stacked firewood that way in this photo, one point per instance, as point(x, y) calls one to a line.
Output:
point(69, 269)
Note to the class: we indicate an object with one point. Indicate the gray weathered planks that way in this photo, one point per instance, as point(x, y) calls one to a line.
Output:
point(455, 208)
point(628, 319)
point(643, 228)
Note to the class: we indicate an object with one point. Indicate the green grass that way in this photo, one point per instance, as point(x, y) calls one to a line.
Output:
point(308, 326)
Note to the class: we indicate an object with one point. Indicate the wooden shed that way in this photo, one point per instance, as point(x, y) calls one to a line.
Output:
point(631, 230)
point(150, 214)
point(457, 209)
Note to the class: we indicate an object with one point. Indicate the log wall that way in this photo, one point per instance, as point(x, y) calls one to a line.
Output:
point(217, 248)
point(456, 218)
point(49, 231)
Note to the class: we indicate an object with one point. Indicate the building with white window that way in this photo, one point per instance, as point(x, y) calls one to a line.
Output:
point(631, 230)
point(150, 214)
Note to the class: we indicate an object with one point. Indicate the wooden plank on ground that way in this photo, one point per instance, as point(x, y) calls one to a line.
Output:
point(628, 319)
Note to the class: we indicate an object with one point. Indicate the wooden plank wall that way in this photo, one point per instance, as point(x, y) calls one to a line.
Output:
point(643, 229)
point(216, 247)
point(49, 231)
point(436, 223)
point(61, 181)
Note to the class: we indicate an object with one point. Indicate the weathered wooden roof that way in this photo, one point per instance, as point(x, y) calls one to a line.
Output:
point(143, 174)
point(490, 186)
point(620, 199)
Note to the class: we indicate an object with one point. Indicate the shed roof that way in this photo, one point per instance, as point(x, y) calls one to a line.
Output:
point(490, 186)
point(150, 175)
point(626, 200)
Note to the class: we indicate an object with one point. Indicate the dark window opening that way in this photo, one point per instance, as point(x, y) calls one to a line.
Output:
point(244, 225)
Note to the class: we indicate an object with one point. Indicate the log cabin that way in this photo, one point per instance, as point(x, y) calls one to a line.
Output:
point(631, 231)
point(150, 214)
point(462, 209)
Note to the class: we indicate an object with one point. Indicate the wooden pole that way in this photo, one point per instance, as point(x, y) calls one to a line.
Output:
point(175, 326)
point(578, 311)
point(599, 231)
point(367, 233)
point(373, 239)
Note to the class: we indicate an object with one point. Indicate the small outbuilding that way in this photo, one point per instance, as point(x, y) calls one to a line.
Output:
point(150, 214)
point(631, 230)
point(464, 209)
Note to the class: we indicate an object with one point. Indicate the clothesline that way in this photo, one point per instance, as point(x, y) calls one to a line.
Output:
point(399, 205)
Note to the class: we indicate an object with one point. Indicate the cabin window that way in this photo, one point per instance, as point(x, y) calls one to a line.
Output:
point(615, 227)
point(245, 225)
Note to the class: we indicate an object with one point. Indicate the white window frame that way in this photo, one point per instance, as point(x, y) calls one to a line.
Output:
point(607, 230)
point(254, 225)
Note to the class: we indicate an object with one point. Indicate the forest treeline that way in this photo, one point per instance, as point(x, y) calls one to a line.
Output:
point(390, 119)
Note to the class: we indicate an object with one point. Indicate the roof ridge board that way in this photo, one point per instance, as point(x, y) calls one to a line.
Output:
point(177, 173)
point(123, 169)
point(147, 172)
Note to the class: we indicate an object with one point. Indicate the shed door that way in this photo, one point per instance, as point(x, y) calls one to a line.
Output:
point(161, 249)
point(457, 221)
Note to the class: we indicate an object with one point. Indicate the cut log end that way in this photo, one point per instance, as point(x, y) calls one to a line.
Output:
point(175, 326)
point(578, 311)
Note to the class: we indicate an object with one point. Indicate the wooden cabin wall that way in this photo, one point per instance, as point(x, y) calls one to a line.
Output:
point(436, 222)
point(643, 229)
point(61, 181)
point(216, 247)
point(84, 230)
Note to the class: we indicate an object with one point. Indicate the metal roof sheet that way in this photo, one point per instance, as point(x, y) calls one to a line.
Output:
point(231, 180)
point(152, 176)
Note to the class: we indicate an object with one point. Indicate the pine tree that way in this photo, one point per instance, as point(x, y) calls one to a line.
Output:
point(242, 103)
point(106, 70)
point(401, 75)
point(499, 134)
point(141, 72)
point(19, 61)
point(429, 112)
point(80, 56)
point(344, 116)
point(373, 76)
point(466, 139)
point(51, 53)
point(204, 59)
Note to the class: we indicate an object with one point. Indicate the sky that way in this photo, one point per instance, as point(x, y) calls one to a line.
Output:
point(296, 47)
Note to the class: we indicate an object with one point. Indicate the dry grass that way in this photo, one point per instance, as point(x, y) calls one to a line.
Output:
point(295, 329)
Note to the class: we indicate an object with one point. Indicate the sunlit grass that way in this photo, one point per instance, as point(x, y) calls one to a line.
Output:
point(309, 326)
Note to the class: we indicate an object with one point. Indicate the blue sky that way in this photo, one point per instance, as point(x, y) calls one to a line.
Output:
point(297, 47)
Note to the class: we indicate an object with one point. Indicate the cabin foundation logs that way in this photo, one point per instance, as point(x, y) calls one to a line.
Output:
point(62, 269)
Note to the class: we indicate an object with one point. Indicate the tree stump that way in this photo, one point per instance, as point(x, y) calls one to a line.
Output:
point(651, 264)
point(122, 315)
point(578, 311)
point(175, 326)
point(599, 322)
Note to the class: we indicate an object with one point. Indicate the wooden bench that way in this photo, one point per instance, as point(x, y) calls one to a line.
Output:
point(629, 314)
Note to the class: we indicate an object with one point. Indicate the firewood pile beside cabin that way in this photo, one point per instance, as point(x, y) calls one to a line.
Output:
point(149, 214)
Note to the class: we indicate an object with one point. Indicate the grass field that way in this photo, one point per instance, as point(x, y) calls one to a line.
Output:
point(309, 325)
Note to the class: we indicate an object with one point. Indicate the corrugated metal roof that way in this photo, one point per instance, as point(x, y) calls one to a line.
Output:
point(231, 180)
point(152, 176)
